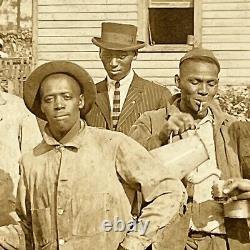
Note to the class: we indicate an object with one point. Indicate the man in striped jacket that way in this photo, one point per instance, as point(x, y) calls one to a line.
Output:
point(122, 96)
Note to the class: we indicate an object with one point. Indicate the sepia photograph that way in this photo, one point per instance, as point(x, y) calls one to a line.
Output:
point(125, 125)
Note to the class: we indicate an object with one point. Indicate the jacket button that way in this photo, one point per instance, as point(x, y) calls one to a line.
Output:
point(61, 242)
point(60, 211)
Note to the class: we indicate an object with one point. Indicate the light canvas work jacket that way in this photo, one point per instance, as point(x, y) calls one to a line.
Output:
point(68, 188)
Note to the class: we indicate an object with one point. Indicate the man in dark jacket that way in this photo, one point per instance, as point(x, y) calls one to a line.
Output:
point(198, 83)
point(122, 96)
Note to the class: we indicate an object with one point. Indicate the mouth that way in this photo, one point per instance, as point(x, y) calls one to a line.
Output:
point(201, 104)
point(60, 117)
point(114, 72)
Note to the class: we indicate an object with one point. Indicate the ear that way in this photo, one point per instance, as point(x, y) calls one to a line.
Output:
point(41, 106)
point(81, 101)
point(135, 55)
point(177, 80)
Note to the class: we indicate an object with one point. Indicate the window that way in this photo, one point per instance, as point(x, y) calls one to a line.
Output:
point(169, 25)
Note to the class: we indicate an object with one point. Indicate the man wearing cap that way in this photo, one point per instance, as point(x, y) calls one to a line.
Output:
point(71, 189)
point(198, 83)
point(2, 54)
point(123, 95)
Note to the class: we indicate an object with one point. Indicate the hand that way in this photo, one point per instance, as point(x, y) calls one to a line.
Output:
point(9, 239)
point(176, 124)
point(237, 189)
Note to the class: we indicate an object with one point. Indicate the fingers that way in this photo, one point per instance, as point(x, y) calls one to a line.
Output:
point(177, 124)
point(230, 185)
point(241, 185)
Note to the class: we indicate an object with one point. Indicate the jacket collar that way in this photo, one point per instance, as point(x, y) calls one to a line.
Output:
point(71, 140)
point(133, 97)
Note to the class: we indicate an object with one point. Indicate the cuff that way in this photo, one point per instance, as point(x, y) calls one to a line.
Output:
point(133, 242)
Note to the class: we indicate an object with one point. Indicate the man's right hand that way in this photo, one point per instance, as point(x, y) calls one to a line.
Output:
point(176, 124)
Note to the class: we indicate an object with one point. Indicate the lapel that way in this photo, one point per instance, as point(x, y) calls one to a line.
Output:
point(102, 101)
point(227, 159)
point(132, 99)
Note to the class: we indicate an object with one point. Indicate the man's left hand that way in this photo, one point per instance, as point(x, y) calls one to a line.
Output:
point(237, 189)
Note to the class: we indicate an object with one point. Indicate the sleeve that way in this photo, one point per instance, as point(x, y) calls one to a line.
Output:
point(30, 135)
point(166, 98)
point(19, 236)
point(163, 197)
point(23, 209)
point(142, 132)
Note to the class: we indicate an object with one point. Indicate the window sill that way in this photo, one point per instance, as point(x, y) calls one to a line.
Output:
point(166, 48)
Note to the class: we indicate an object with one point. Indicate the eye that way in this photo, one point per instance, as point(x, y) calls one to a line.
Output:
point(48, 99)
point(67, 97)
point(212, 83)
point(193, 81)
point(122, 56)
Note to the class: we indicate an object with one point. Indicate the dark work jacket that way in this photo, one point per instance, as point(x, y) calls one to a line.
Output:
point(228, 141)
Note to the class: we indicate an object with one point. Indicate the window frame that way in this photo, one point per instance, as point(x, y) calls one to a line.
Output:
point(143, 17)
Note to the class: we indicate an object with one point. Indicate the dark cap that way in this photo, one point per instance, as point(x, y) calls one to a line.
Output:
point(32, 85)
point(197, 53)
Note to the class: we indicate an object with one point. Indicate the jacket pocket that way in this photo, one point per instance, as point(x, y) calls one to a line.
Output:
point(41, 223)
point(89, 212)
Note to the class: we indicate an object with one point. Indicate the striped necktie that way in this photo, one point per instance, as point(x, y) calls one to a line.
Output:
point(116, 105)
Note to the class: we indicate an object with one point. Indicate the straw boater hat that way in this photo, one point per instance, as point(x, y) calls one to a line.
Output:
point(117, 36)
point(33, 83)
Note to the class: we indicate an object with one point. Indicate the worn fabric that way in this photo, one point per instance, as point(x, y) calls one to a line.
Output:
point(202, 178)
point(142, 96)
point(68, 188)
point(210, 242)
point(146, 132)
point(19, 133)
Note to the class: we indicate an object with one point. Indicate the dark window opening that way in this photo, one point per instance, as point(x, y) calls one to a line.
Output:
point(170, 25)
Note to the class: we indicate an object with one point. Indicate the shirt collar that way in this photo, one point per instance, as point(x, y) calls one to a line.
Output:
point(208, 118)
point(126, 81)
point(71, 139)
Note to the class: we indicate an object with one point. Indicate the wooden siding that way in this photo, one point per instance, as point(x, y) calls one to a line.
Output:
point(65, 29)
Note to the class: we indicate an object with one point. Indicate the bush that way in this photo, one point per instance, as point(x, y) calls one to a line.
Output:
point(235, 101)
point(18, 44)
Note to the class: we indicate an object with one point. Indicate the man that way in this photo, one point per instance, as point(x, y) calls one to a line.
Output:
point(198, 83)
point(19, 133)
point(123, 96)
point(240, 134)
point(71, 186)
point(2, 54)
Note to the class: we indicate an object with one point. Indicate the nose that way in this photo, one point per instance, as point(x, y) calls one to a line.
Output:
point(59, 103)
point(203, 90)
point(114, 61)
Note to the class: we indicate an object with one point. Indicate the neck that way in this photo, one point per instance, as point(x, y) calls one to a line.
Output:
point(196, 115)
point(65, 135)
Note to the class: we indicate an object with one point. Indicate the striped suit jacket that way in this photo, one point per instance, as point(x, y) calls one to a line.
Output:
point(142, 96)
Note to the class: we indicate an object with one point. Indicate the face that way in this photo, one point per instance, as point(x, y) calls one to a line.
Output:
point(198, 83)
point(117, 63)
point(61, 101)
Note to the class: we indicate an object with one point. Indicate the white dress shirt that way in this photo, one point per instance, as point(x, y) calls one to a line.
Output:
point(124, 86)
